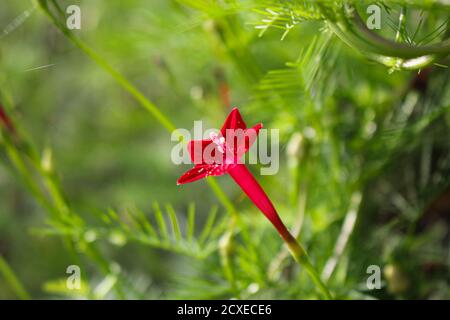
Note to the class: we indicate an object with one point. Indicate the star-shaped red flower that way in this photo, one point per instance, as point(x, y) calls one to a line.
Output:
point(221, 152)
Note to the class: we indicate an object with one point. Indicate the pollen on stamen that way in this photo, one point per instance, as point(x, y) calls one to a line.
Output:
point(218, 141)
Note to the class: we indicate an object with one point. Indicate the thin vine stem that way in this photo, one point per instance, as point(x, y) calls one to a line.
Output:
point(13, 281)
point(391, 48)
point(351, 29)
point(303, 260)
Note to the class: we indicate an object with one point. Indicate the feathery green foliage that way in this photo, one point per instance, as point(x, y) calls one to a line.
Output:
point(363, 117)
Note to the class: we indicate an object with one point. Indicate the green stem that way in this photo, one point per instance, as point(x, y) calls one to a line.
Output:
point(22, 169)
point(225, 249)
point(147, 104)
point(221, 196)
point(12, 280)
point(351, 29)
point(391, 48)
point(302, 259)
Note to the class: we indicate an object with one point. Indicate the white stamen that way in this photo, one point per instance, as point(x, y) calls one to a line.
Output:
point(220, 142)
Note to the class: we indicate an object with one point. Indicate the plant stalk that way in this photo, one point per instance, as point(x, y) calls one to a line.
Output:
point(245, 179)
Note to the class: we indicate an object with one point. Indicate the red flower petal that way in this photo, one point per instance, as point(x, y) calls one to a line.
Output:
point(233, 121)
point(251, 135)
point(239, 141)
point(200, 151)
point(194, 174)
point(202, 171)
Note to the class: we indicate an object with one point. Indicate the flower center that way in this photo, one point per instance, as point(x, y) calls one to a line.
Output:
point(218, 141)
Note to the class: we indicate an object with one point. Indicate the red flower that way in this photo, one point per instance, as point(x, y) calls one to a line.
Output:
point(222, 154)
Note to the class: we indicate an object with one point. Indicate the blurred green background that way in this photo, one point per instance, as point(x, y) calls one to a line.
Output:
point(364, 152)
